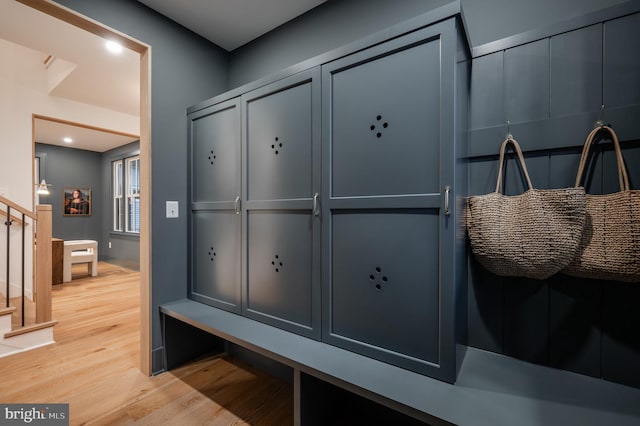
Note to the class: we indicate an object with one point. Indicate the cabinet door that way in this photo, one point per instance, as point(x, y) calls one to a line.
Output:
point(216, 275)
point(215, 225)
point(215, 153)
point(282, 175)
point(386, 161)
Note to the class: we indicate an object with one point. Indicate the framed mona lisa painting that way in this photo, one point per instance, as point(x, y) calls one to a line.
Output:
point(76, 201)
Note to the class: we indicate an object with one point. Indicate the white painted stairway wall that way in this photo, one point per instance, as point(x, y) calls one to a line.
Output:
point(24, 338)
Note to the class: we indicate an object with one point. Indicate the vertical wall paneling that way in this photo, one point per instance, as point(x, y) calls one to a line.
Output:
point(526, 319)
point(514, 181)
point(483, 173)
point(631, 154)
point(526, 79)
point(575, 304)
point(563, 166)
point(486, 309)
point(620, 343)
point(575, 307)
point(487, 98)
point(526, 302)
point(487, 117)
point(576, 71)
point(621, 76)
point(552, 89)
point(593, 177)
point(610, 176)
point(486, 305)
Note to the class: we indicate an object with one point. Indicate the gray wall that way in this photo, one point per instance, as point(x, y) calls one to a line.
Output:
point(73, 168)
point(490, 20)
point(329, 26)
point(125, 248)
point(185, 70)
point(339, 22)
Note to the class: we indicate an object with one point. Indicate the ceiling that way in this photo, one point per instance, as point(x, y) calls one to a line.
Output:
point(53, 132)
point(68, 64)
point(72, 64)
point(231, 23)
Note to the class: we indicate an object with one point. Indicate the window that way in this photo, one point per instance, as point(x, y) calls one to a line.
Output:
point(126, 195)
point(132, 165)
point(117, 195)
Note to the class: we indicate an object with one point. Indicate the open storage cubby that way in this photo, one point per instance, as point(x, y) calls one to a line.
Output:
point(322, 403)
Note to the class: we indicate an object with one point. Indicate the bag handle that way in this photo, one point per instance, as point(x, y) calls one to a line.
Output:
point(623, 178)
point(516, 148)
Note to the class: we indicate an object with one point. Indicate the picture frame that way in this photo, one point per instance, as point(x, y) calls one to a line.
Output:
point(76, 201)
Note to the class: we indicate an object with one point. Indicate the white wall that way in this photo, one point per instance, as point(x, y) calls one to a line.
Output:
point(22, 94)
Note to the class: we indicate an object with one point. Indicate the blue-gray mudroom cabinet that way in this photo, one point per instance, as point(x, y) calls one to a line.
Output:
point(325, 209)
point(327, 230)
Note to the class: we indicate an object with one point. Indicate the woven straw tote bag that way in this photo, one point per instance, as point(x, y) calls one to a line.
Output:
point(610, 245)
point(535, 234)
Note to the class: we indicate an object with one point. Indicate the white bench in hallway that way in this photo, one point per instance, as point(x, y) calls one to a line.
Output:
point(80, 251)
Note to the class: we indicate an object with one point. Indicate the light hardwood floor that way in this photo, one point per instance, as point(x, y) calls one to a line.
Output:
point(94, 367)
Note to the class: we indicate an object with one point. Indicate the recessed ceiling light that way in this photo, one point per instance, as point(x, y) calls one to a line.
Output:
point(68, 140)
point(113, 47)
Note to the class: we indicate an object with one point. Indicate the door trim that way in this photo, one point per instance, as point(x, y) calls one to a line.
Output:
point(71, 17)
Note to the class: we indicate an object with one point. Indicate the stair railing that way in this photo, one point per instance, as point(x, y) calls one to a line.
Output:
point(42, 283)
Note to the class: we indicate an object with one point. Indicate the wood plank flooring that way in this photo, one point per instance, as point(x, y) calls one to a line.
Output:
point(94, 367)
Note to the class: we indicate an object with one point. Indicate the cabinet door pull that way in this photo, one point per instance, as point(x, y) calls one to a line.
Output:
point(237, 205)
point(316, 212)
point(447, 189)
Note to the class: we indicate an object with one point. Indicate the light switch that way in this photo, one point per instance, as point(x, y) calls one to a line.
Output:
point(172, 209)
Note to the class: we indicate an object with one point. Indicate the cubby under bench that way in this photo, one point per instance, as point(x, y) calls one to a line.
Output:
point(328, 381)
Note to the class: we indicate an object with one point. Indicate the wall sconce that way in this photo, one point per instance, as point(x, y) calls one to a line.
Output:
point(43, 188)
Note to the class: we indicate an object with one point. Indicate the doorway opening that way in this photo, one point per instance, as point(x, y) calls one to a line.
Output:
point(144, 51)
